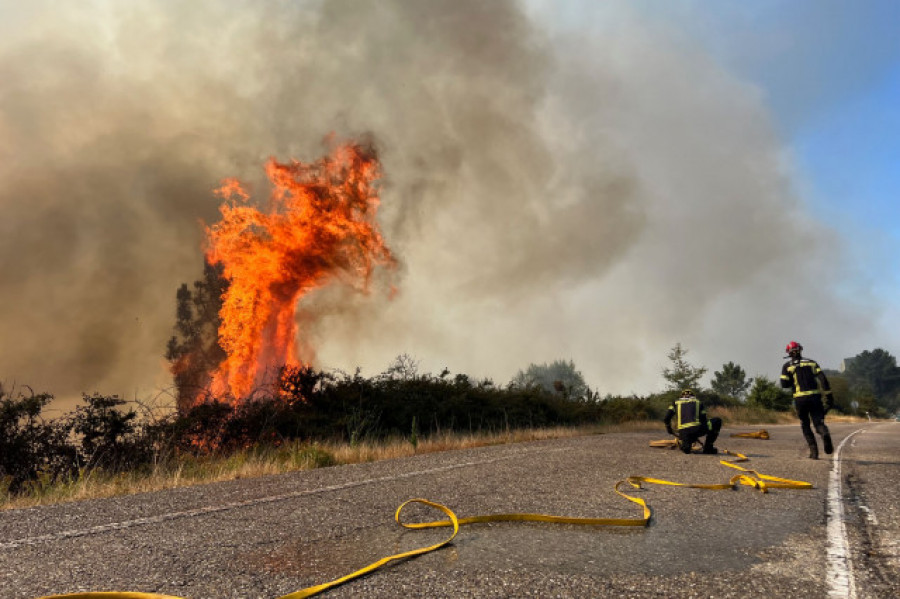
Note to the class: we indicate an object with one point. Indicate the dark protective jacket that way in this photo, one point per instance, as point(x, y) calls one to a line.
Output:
point(806, 379)
point(689, 415)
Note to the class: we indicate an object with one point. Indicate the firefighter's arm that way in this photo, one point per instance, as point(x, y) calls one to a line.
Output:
point(785, 378)
point(826, 390)
point(668, 420)
point(704, 421)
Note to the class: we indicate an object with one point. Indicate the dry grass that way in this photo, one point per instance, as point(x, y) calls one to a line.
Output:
point(250, 463)
point(399, 448)
point(183, 472)
point(188, 471)
point(844, 419)
point(745, 415)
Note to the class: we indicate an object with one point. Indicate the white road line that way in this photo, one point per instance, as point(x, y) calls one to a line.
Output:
point(68, 534)
point(840, 564)
point(870, 515)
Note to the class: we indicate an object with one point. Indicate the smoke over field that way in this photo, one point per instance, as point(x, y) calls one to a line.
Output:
point(588, 197)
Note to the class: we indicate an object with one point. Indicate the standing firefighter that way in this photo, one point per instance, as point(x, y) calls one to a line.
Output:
point(691, 423)
point(809, 384)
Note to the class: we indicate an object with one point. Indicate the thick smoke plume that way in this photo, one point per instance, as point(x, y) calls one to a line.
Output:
point(594, 199)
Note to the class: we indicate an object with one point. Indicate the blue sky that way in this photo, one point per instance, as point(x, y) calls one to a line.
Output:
point(850, 153)
point(828, 70)
point(829, 73)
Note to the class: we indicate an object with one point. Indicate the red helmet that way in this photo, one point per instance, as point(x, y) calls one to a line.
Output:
point(793, 345)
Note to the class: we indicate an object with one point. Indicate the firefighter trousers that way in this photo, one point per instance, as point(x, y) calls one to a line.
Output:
point(810, 409)
point(688, 437)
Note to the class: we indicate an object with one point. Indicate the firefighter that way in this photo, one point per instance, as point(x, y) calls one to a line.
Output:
point(809, 384)
point(691, 423)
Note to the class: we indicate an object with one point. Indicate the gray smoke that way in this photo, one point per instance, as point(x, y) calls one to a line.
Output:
point(591, 198)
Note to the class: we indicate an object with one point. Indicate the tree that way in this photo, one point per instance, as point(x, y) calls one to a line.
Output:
point(731, 381)
point(840, 390)
point(403, 368)
point(109, 437)
point(682, 375)
point(875, 373)
point(765, 393)
point(194, 351)
point(559, 376)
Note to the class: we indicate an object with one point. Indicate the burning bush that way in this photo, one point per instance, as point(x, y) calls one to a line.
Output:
point(239, 325)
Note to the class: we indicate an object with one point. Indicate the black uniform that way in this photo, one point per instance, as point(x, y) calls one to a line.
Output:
point(809, 383)
point(691, 423)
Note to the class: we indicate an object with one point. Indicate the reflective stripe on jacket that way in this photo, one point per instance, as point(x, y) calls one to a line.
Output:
point(688, 413)
point(804, 376)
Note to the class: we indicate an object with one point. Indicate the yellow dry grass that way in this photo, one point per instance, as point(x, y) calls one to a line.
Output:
point(250, 463)
point(744, 415)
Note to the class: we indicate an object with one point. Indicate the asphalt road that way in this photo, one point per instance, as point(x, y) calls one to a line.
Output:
point(267, 537)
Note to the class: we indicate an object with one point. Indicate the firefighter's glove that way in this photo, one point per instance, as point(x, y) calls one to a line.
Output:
point(829, 403)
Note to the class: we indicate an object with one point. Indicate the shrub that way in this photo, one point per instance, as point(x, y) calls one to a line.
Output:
point(765, 393)
point(108, 437)
point(30, 447)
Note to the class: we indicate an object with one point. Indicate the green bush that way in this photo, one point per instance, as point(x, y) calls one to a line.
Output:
point(97, 435)
point(108, 437)
point(30, 447)
point(766, 394)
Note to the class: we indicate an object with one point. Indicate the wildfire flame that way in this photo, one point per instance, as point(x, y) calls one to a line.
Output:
point(319, 225)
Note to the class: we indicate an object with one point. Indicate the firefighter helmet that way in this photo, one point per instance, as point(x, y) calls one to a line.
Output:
point(793, 346)
point(687, 393)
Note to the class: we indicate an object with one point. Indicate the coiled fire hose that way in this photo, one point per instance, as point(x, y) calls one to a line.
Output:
point(746, 477)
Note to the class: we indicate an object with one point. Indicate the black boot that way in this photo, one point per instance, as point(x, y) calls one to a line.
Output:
point(826, 437)
point(813, 451)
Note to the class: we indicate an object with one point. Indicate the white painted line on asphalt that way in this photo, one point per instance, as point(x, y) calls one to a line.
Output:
point(840, 564)
point(68, 534)
point(870, 515)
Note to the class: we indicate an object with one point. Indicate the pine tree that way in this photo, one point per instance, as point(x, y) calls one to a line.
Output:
point(194, 351)
point(730, 381)
point(682, 375)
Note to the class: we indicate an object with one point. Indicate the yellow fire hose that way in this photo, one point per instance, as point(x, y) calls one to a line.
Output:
point(747, 477)
point(672, 443)
point(760, 434)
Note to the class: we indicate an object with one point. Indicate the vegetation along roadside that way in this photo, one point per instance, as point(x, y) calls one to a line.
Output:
point(313, 418)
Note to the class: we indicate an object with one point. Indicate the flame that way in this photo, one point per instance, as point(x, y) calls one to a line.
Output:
point(319, 226)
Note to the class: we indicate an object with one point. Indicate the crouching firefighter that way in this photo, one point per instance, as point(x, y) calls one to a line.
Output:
point(809, 384)
point(691, 423)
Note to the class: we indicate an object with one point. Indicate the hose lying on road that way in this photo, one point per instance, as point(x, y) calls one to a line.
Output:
point(760, 434)
point(746, 477)
point(672, 443)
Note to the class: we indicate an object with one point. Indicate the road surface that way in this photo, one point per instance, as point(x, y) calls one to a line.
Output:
point(264, 538)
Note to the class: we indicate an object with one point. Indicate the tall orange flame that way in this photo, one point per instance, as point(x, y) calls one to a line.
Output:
point(320, 224)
